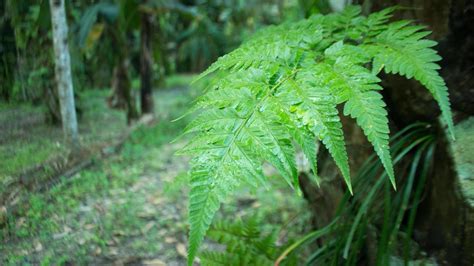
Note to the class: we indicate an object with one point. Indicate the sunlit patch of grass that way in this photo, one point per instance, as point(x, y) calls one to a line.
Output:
point(179, 80)
point(15, 157)
point(38, 143)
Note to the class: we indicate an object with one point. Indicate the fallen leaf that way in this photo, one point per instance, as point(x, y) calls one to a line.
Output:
point(89, 226)
point(97, 251)
point(155, 262)
point(113, 252)
point(99, 207)
point(147, 227)
point(170, 240)
point(67, 229)
point(162, 232)
point(181, 249)
point(20, 222)
point(3, 214)
point(156, 199)
point(119, 233)
point(38, 246)
point(59, 235)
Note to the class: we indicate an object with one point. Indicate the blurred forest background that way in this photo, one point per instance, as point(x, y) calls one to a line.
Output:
point(116, 194)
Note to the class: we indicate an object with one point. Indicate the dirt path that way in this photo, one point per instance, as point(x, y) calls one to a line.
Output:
point(162, 210)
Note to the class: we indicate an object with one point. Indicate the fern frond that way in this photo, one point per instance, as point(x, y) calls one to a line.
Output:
point(306, 140)
point(401, 49)
point(284, 86)
point(354, 84)
point(315, 107)
point(245, 244)
point(235, 148)
point(274, 44)
point(220, 258)
point(357, 86)
point(368, 110)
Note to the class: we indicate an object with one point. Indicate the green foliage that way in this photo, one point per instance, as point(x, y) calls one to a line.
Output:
point(179, 80)
point(283, 86)
point(245, 243)
point(371, 221)
point(108, 11)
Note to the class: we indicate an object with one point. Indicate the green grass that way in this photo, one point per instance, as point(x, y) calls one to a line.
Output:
point(31, 143)
point(16, 156)
point(179, 80)
point(22, 146)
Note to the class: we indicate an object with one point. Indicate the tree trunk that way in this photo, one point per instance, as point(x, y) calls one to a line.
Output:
point(146, 64)
point(122, 97)
point(445, 221)
point(63, 72)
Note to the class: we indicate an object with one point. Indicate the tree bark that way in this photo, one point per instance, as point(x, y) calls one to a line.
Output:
point(146, 64)
point(122, 96)
point(63, 73)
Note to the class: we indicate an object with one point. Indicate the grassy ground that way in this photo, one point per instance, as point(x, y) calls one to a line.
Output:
point(131, 208)
point(26, 140)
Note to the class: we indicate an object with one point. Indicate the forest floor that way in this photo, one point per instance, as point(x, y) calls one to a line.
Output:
point(27, 140)
point(130, 209)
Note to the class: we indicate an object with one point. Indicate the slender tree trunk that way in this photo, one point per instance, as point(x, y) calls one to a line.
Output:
point(122, 96)
point(63, 72)
point(146, 64)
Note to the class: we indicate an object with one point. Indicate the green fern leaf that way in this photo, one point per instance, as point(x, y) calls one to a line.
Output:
point(220, 258)
point(245, 244)
point(306, 140)
point(315, 107)
point(368, 109)
point(401, 49)
point(284, 86)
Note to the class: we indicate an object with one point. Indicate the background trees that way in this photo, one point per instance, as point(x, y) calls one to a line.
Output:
point(113, 43)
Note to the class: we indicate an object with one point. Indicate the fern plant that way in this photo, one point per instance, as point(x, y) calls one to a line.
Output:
point(283, 87)
point(245, 244)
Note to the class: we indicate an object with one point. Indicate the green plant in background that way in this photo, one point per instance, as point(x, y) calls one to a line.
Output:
point(218, 26)
point(25, 25)
point(284, 85)
point(245, 244)
point(369, 225)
